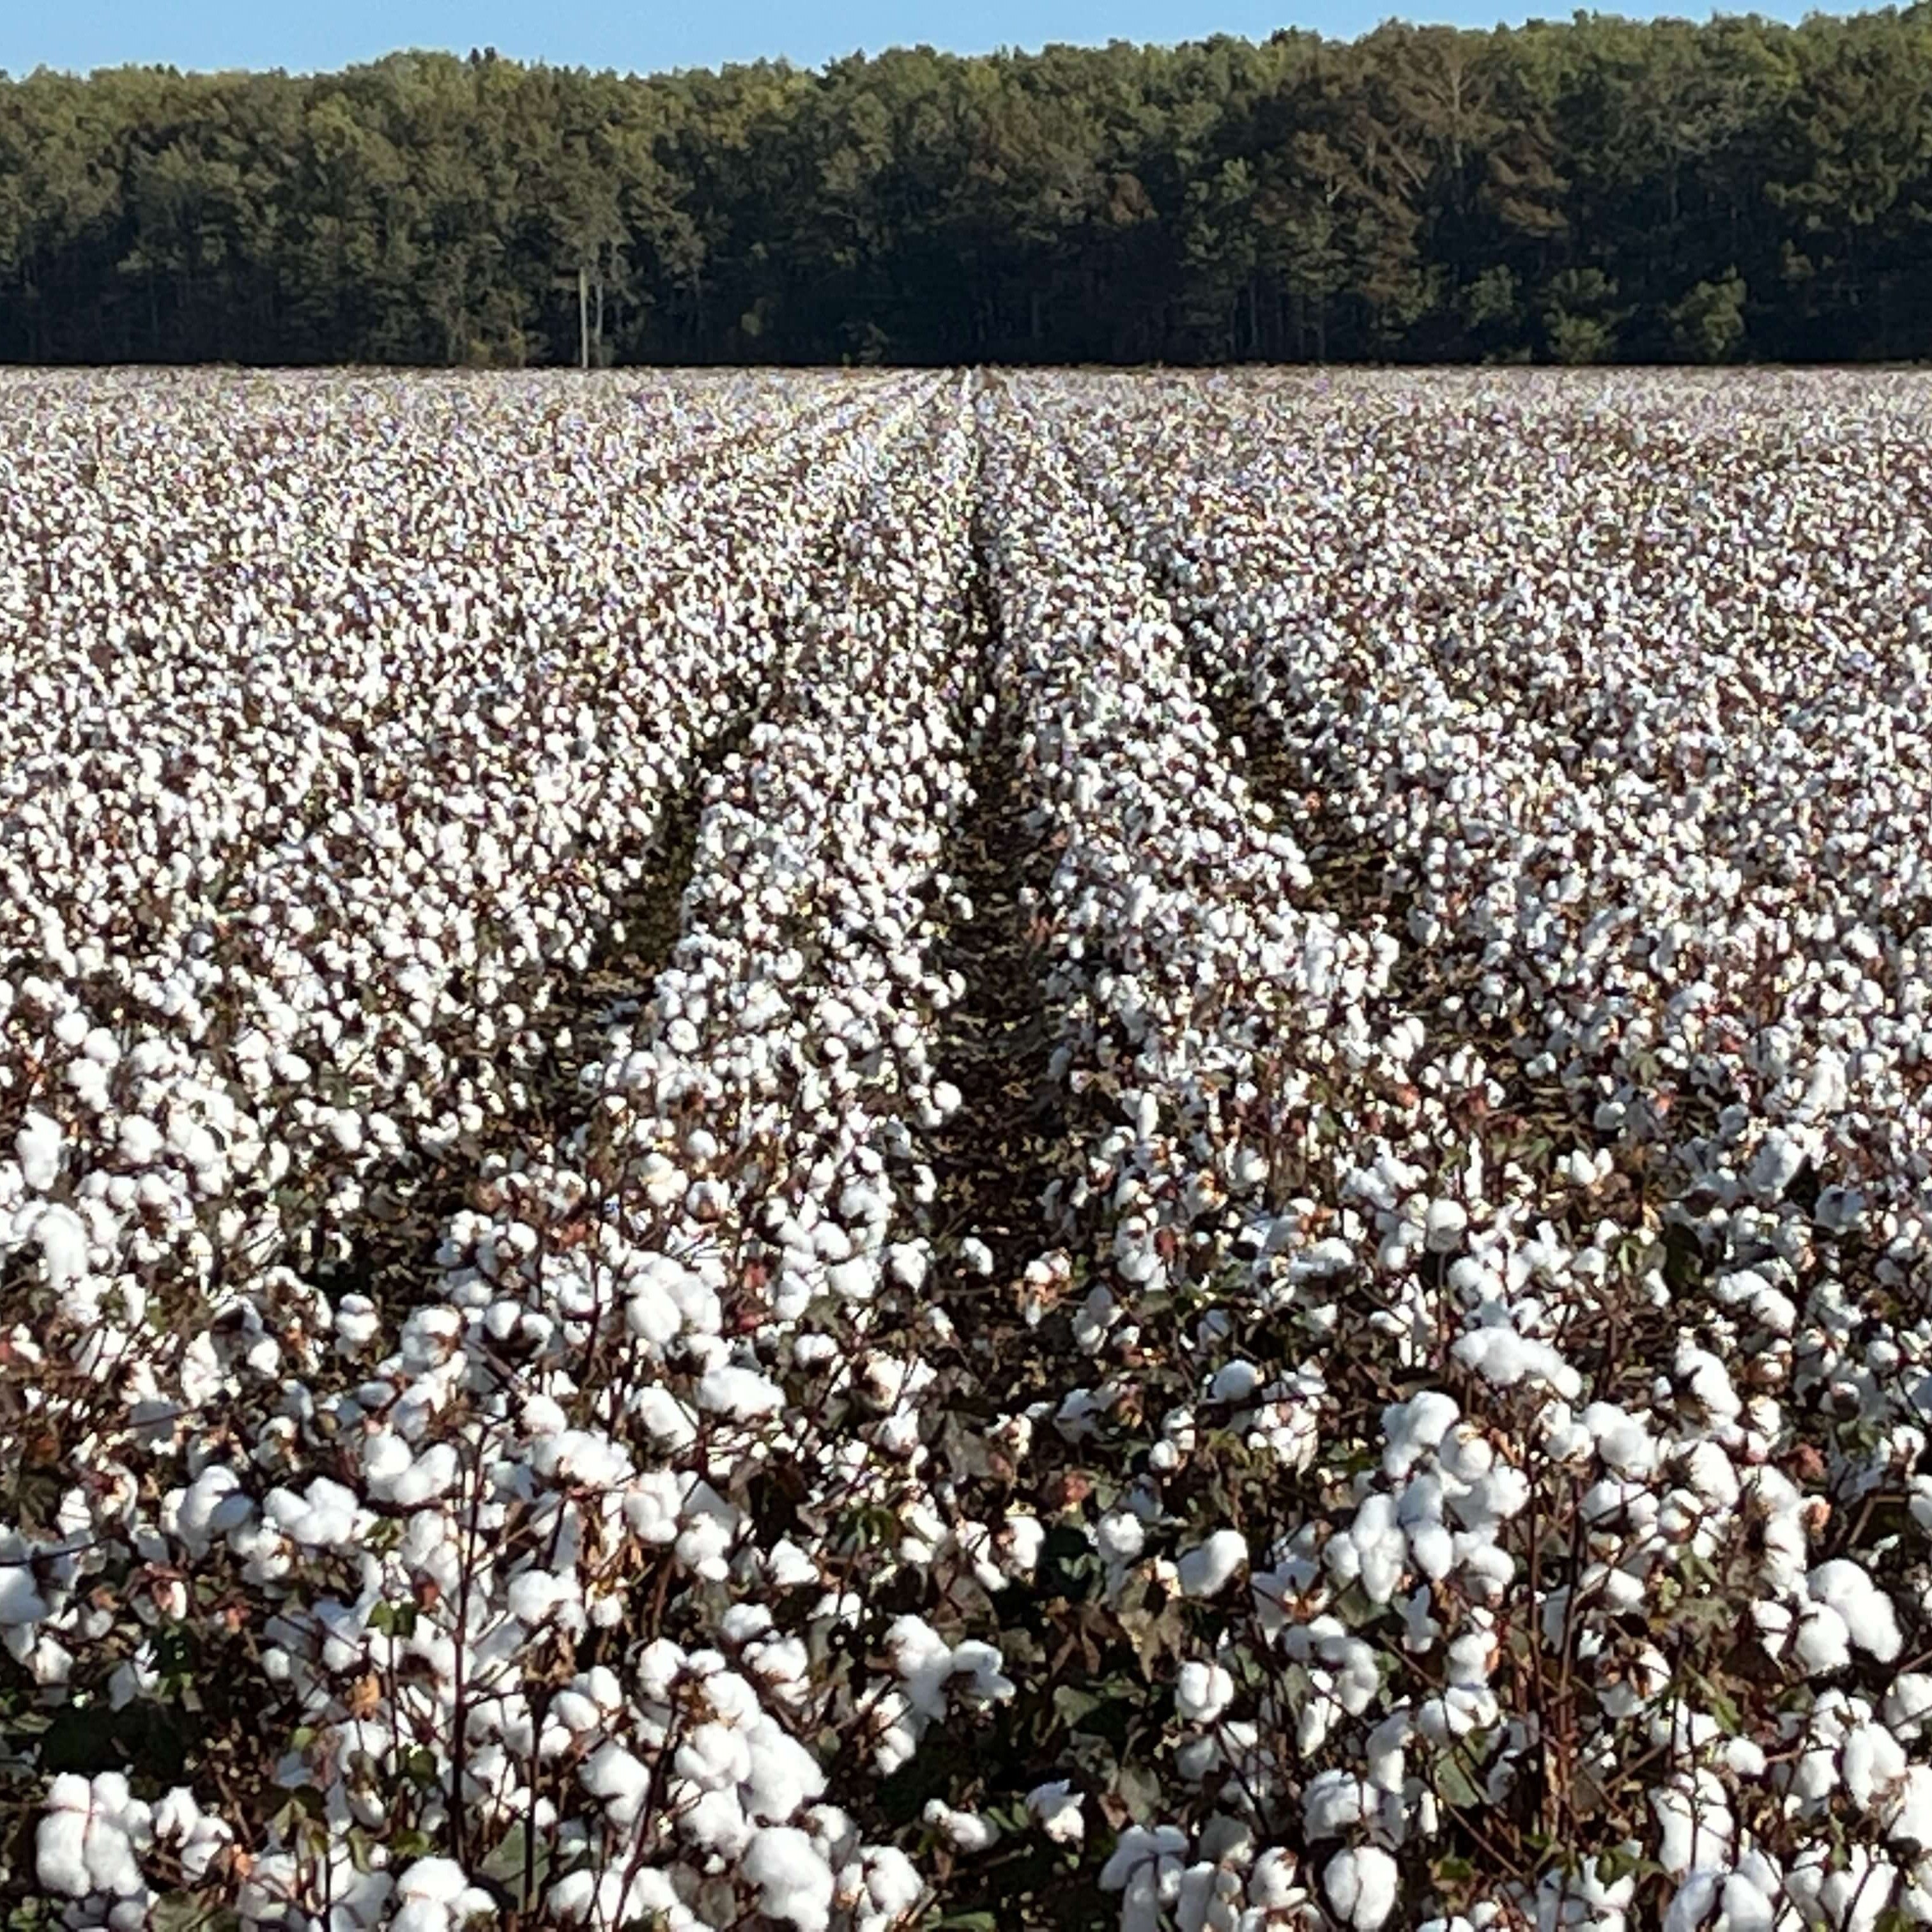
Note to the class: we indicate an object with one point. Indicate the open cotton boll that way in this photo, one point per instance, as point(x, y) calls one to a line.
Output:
point(793, 1881)
point(1414, 1427)
point(1869, 1619)
point(743, 1394)
point(1361, 1886)
point(619, 1897)
point(434, 1894)
point(1907, 1809)
point(1202, 1691)
point(967, 1831)
point(1335, 1802)
point(21, 1600)
point(37, 1146)
point(60, 1842)
point(1907, 1705)
point(1207, 1569)
point(324, 1516)
point(880, 1889)
point(1056, 1808)
point(89, 1838)
point(1504, 1358)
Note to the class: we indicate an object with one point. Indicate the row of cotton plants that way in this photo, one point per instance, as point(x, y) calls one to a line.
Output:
point(304, 952)
point(1612, 695)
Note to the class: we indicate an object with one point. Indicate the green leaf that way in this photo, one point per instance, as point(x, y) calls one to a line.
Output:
point(1071, 1704)
point(1455, 1786)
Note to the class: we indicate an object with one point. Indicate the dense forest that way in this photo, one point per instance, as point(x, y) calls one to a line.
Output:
point(1603, 190)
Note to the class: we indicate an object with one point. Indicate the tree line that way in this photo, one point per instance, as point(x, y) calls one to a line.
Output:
point(1601, 190)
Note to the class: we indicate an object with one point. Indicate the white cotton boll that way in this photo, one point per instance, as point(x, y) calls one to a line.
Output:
point(1872, 1761)
point(975, 1256)
point(1335, 1802)
point(666, 1417)
point(1696, 1827)
point(431, 1474)
point(1499, 1355)
point(1361, 1886)
point(1056, 1808)
point(357, 1324)
point(652, 1315)
point(1234, 1381)
point(888, 1886)
point(617, 1898)
point(966, 1832)
point(117, 1824)
point(534, 1595)
point(61, 1236)
point(1776, 1164)
point(1202, 1691)
point(1414, 1427)
point(438, 1881)
point(622, 1781)
point(1445, 1224)
point(1207, 1568)
point(1746, 1906)
point(1433, 1547)
point(794, 1882)
point(715, 1757)
point(1121, 1536)
point(1869, 1619)
point(1907, 1705)
point(907, 1262)
point(1624, 1441)
point(742, 1393)
point(1691, 1905)
point(37, 1146)
point(21, 1601)
point(324, 1516)
point(854, 1280)
point(59, 1843)
point(1908, 1814)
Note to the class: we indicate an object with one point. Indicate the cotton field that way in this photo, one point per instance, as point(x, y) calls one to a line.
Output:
point(868, 1152)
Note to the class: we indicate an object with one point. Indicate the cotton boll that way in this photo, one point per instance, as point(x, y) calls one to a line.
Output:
point(882, 1888)
point(60, 1841)
point(1908, 1809)
point(37, 1146)
point(1120, 1536)
point(89, 1839)
point(1334, 1803)
point(742, 1393)
point(1056, 1808)
point(1414, 1427)
point(794, 1883)
point(966, 1832)
point(1207, 1569)
point(1361, 1886)
point(1870, 1763)
point(1202, 1691)
point(1907, 1705)
point(1868, 1618)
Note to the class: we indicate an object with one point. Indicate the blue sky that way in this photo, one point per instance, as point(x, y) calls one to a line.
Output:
point(649, 34)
